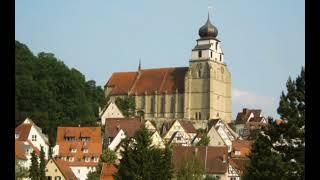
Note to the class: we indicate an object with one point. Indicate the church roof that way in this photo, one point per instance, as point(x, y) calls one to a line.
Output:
point(150, 81)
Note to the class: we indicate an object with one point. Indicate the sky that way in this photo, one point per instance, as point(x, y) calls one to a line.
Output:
point(263, 41)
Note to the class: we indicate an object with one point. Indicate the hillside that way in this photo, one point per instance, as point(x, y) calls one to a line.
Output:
point(52, 94)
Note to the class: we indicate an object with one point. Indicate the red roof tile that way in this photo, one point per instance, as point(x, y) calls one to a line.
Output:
point(210, 157)
point(129, 125)
point(188, 126)
point(19, 150)
point(94, 146)
point(240, 164)
point(121, 82)
point(162, 80)
point(23, 130)
point(244, 146)
point(65, 169)
point(243, 116)
point(107, 171)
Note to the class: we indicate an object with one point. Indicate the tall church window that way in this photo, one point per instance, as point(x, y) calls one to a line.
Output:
point(211, 53)
point(199, 115)
point(196, 115)
point(172, 107)
point(217, 46)
point(142, 102)
point(162, 104)
point(200, 54)
point(152, 105)
point(220, 57)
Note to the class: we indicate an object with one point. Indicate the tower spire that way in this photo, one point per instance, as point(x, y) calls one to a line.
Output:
point(139, 67)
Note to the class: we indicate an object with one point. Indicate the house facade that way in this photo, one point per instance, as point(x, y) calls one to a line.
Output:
point(200, 91)
point(110, 111)
point(80, 148)
point(180, 132)
point(58, 169)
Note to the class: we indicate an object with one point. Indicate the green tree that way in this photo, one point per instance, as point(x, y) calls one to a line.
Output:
point(34, 168)
point(42, 165)
point(140, 160)
point(191, 169)
point(127, 105)
point(108, 156)
point(205, 140)
point(281, 147)
point(20, 172)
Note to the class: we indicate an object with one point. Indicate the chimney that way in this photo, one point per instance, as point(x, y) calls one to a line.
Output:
point(224, 158)
point(79, 125)
point(196, 151)
point(118, 127)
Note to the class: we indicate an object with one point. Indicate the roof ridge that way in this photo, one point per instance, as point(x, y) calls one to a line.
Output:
point(163, 80)
point(135, 82)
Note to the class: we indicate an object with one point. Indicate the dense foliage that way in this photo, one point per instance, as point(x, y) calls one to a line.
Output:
point(127, 106)
point(205, 140)
point(42, 165)
point(278, 153)
point(191, 169)
point(51, 94)
point(140, 160)
point(20, 172)
point(34, 168)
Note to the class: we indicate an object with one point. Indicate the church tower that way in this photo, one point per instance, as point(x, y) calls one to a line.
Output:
point(208, 80)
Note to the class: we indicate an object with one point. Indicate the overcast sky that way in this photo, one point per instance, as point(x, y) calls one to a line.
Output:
point(263, 41)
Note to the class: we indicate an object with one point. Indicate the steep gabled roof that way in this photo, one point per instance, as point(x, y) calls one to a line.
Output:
point(64, 169)
point(20, 149)
point(107, 171)
point(129, 125)
point(121, 82)
point(242, 117)
point(211, 157)
point(188, 126)
point(23, 130)
point(161, 80)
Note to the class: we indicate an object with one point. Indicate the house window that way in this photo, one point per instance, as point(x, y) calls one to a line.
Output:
point(17, 135)
point(34, 137)
point(96, 159)
point(57, 178)
point(55, 170)
point(46, 170)
point(87, 159)
point(199, 54)
point(85, 150)
point(237, 153)
point(73, 150)
point(233, 178)
point(49, 177)
point(179, 138)
point(70, 159)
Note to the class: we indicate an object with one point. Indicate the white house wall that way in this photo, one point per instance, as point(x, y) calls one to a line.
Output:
point(112, 111)
point(40, 141)
point(81, 172)
point(116, 141)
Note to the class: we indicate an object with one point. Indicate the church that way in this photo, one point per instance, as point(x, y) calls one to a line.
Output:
point(201, 91)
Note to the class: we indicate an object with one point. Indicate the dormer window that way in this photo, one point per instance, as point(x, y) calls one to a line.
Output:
point(87, 159)
point(69, 139)
point(237, 153)
point(34, 137)
point(95, 159)
point(199, 54)
point(17, 135)
point(70, 159)
point(85, 150)
point(73, 150)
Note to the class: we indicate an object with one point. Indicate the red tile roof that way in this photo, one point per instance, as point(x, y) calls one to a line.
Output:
point(244, 146)
point(107, 171)
point(163, 80)
point(188, 126)
point(211, 157)
point(23, 130)
point(94, 146)
point(65, 169)
point(240, 164)
point(243, 116)
point(129, 125)
point(20, 148)
point(121, 82)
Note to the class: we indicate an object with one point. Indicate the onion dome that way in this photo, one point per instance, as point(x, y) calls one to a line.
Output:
point(208, 30)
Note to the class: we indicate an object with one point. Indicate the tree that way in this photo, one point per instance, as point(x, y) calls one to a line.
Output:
point(127, 105)
point(191, 169)
point(281, 146)
point(34, 168)
point(20, 172)
point(42, 165)
point(205, 140)
point(108, 156)
point(140, 160)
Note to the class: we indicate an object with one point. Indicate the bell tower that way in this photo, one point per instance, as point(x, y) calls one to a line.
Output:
point(208, 80)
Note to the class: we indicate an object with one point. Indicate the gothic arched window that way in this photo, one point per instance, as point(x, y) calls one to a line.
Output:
point(162, 104)
point(172, 107)
point(152, 104)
